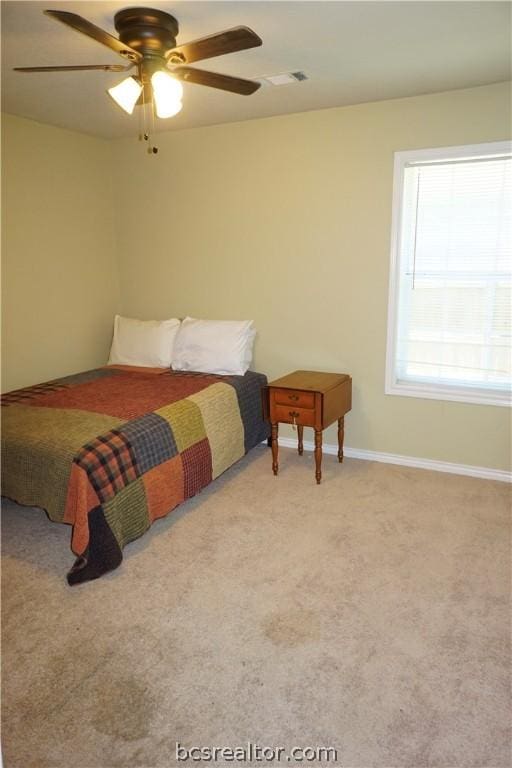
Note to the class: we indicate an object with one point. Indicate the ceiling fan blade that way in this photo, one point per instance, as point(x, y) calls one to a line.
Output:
point(215, 80)
point(77, 68)
point(91, 30)
point(229, 41)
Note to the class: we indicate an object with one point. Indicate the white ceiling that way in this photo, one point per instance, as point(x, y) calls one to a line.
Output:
point(352, 52)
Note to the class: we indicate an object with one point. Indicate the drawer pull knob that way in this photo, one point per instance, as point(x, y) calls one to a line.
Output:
point(293, 397)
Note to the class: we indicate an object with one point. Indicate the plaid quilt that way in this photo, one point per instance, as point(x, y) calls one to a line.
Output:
point(111, 450)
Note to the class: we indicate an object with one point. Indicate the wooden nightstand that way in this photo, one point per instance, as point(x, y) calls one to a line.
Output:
point(309, 399)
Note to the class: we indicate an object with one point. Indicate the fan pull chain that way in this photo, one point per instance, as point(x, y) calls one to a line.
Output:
point(144, 131)
point(147, 136)
point(142, 119)
point(152, 149)
point(140, 115)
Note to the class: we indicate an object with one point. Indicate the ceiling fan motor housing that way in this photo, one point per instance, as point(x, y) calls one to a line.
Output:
point(147, 30)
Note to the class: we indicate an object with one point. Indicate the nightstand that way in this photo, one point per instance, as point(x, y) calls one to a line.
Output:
point(309, 399)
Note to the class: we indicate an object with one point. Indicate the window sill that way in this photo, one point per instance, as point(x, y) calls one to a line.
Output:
point(453, 394)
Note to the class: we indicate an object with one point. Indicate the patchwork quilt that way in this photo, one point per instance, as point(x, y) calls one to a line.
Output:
point(111, 450)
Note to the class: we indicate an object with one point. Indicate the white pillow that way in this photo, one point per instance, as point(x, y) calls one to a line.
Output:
point(214, 346)
point(143, 342)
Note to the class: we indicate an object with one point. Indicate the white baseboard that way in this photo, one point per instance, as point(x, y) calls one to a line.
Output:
point(407, 461)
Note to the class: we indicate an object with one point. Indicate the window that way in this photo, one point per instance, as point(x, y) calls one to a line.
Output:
point(449, 325)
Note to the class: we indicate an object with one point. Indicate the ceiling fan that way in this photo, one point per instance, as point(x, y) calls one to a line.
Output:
point(147, 41)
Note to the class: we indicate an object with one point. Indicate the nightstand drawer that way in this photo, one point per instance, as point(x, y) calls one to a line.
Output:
point(291, 414)
point(294, 397)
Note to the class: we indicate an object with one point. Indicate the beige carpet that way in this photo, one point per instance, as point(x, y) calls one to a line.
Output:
point(369, 614)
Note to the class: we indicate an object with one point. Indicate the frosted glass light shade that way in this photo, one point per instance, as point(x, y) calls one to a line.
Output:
point(126, 94)
point(167, 92)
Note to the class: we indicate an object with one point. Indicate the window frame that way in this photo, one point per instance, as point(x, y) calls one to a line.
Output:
point(431, 391)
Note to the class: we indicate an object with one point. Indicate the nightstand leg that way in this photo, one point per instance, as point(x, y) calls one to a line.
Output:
point(300, 433)
point(275, 449)
point(318, 455)
point(341, 435)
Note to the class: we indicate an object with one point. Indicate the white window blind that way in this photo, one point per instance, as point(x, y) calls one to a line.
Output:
point(453, 276)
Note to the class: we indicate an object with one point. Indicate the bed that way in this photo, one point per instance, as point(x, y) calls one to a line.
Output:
point(109, 451)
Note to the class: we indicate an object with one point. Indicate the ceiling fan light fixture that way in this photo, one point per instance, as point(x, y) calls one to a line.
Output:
point(147, 40)
point(126, 93)
point(167, 93)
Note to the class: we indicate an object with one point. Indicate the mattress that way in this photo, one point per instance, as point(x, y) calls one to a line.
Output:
point(109, 451)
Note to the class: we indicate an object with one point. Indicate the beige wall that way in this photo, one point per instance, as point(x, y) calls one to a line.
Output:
point(287, 220)
point(60, 283)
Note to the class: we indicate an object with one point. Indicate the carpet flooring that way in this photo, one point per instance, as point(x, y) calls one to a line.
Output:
point(369, 614)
